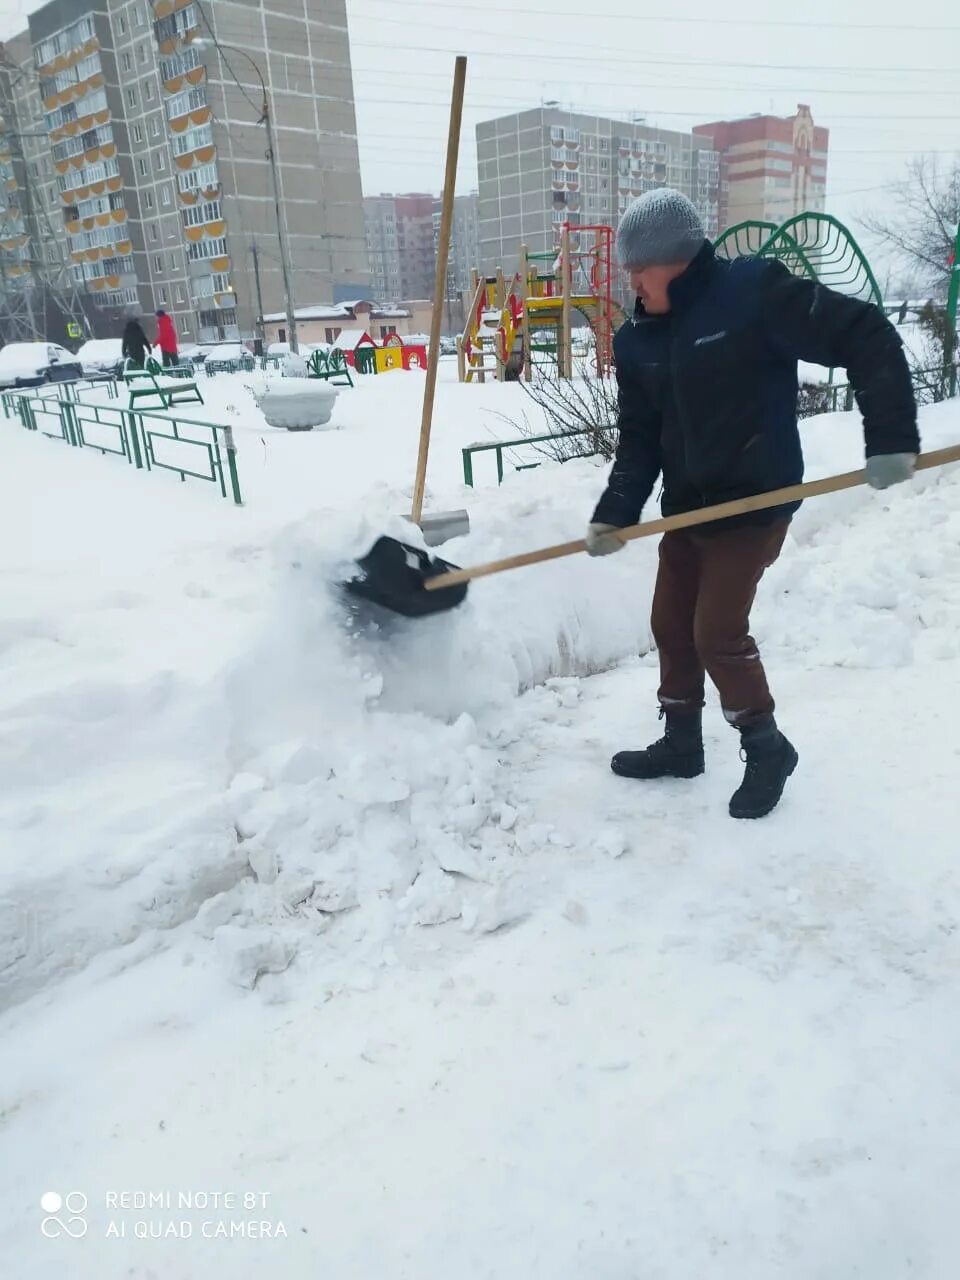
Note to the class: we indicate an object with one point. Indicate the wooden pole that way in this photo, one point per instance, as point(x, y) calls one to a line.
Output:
point(702, 515)
point(525, 319)
point(566, 343)
point(500, 300)
point(440, 284)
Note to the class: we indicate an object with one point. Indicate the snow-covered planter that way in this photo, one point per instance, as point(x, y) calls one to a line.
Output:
point(297, 404)
point(294, 366)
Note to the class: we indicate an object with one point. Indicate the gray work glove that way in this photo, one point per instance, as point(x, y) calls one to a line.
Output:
point(885, 469)
point(602, 539)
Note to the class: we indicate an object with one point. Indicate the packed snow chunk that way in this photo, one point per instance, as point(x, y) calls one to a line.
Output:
point(611, 843)
point(433, 899)
point(248, 953)
point(216, 912)
point(295, 762)
point(503, 905)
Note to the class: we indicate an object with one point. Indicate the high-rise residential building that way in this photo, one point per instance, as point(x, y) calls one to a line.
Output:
point(402, 233)
point(400, 245)
point(151, 155)
point(771, 167)
point(464, 243)
point(541, 168)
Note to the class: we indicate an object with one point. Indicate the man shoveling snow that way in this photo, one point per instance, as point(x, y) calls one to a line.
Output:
point(707, 375)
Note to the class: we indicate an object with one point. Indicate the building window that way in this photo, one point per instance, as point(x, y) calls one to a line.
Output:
point(155, 126)
point(148, 90)
point(158, 263)
point(126, 62)
point(173, 263)
point(162, 297)
point(138, 14)
point(142, 53)
point(137, 133)
point(148, 199)
point(180, 297)
point(122, 25)
point(142, 167)
point(165, 196)
point(154, 233)
point(159, 162)
point(132, 97)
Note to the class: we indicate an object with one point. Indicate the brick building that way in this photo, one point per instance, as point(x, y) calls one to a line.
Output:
point(771, 167)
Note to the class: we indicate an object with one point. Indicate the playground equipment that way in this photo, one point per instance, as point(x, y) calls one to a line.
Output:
point(505, 320)
point(364, 355)
point(815, 245)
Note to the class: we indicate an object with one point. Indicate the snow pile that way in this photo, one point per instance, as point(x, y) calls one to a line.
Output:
point(225, 741)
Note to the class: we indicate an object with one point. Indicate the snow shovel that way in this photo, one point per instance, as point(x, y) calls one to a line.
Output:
point(442, 525)
point(407, 581)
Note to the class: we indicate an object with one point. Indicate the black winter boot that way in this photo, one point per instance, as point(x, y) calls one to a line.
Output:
point(678, 754)
point(770, 760)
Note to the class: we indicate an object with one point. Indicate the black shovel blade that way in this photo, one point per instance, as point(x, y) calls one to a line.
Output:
point(392, 575)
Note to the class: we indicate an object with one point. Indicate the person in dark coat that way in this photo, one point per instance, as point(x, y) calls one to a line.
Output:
point(167, 339)
point(135, 345)
point(707, 378)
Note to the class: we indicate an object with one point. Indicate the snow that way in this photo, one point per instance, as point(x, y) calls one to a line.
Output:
point(360, 920)
point(350, 339)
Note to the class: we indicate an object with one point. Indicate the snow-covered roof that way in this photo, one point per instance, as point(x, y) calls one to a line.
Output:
point(338, 311)
point(350, 339)
point(328, 312)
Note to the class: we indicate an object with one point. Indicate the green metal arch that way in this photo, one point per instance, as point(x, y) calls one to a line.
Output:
point(744, 239)
point(815, 245)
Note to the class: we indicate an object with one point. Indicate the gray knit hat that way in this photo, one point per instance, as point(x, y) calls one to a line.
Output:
point(658, 227)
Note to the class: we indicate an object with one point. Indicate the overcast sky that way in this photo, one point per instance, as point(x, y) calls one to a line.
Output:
point(884, 77)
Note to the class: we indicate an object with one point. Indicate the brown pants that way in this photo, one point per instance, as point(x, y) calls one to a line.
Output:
point(705, 588)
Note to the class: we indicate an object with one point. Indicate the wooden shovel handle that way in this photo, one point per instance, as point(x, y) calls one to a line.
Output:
point(759, 502)
point(440, 283)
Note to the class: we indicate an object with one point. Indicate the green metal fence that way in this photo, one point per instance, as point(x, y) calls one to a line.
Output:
point(837, 397)
point(148, 441)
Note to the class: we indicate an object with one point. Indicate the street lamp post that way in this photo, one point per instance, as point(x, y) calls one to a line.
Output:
point(266, 119)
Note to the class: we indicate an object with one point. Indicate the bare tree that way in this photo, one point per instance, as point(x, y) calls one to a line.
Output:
point(923, 224)
point(580, 413)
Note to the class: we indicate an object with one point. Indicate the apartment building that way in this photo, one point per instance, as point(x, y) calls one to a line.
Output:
point(402, 233)
point(541, 168)
point(400, 245)
point(151, 155)
point(771, 167)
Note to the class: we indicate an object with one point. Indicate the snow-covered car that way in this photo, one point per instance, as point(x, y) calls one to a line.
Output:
point(100, 355)
point(279, 349)
point(229, 355)
point(30, 364)
point(193, 353)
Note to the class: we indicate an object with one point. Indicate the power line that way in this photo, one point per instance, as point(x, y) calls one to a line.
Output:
point(673, 19)
point(705, 63)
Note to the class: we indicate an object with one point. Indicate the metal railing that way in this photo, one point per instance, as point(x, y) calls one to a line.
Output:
point(838, 397)
point(497, 447)
point(147, 440)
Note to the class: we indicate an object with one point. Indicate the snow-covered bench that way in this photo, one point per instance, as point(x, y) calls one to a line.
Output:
point(160, 391)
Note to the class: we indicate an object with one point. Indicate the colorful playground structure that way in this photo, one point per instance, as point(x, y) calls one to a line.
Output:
point(512, 327)
point(364, 355)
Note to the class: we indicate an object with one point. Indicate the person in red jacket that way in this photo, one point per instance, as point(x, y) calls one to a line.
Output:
point(166, 339)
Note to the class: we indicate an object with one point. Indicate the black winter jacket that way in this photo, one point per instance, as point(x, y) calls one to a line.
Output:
point(708, 392)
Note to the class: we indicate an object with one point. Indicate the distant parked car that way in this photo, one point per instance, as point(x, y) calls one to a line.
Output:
point(229, 356)
point(100, 355)
point(195, 354)
point(448, 346)
point(279, 349)
point(31, 364)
